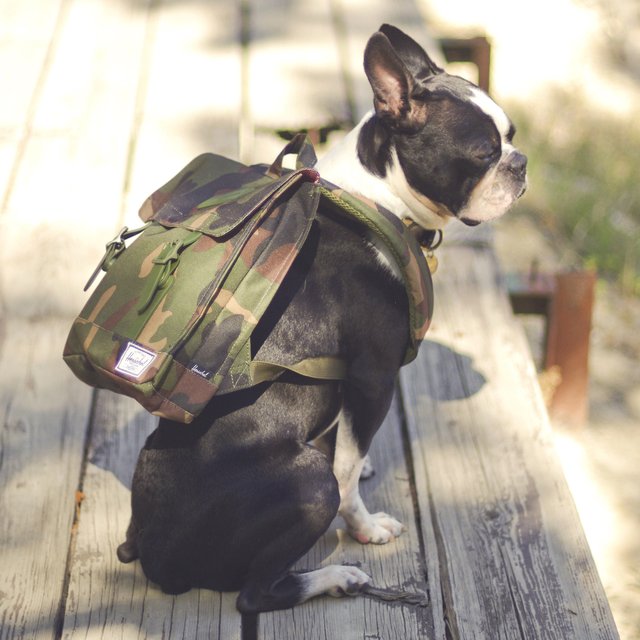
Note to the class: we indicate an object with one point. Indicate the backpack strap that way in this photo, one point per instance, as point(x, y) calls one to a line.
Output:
point(321, 368)
point(386, 229)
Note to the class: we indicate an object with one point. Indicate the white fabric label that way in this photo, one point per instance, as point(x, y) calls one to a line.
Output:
point(135, 360)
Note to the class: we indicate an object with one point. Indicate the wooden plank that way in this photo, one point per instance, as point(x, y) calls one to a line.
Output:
point(81, 123)
point(395, 565)
point(61, 167)
point(108, 599)
point(187, 103)
point(66, 194)
point(513, 557)
point(28, 35)
point(43, 417)
point(190, 94)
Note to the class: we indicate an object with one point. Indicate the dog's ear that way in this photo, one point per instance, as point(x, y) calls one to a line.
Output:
point(393, 86)
point(414, 57)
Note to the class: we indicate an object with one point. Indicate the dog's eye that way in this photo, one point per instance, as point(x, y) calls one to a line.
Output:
point(511, 134)
point(487, 152)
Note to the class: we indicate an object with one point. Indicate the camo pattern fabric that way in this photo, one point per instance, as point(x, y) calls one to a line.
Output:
point(174, 313)
point(170, 323)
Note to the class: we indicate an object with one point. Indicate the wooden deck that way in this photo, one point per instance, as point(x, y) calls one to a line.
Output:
point(102, 101)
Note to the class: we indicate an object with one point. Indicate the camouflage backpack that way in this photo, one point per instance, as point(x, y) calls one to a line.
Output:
point(170, 323)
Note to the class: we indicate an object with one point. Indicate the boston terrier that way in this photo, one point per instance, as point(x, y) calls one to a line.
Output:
point(233, 500)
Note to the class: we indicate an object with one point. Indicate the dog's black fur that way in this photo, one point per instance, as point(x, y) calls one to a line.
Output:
point(233, 500)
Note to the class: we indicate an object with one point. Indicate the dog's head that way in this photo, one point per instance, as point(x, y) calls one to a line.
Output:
point(442, 144)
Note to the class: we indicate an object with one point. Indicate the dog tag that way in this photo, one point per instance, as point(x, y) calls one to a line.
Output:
point(432, 262)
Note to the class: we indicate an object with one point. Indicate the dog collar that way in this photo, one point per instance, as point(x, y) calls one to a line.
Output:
point(428, 239)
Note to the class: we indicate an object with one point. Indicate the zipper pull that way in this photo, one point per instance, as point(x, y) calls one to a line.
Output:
point(163, 267)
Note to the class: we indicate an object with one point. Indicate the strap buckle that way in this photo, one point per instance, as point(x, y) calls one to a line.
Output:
point(113, 249)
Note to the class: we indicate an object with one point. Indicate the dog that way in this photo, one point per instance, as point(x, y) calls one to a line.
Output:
point(233, 500)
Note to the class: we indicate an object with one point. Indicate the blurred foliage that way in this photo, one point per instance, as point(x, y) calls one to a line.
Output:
point(584, 183)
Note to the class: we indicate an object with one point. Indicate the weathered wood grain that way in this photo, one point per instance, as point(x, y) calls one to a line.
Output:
point(28, 37)
point(64, 164)
point(513, 557)
point(187, 102)
point(43, 417)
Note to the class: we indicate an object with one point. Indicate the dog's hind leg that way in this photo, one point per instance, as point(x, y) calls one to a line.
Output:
point(294, 588)
point(297, 525)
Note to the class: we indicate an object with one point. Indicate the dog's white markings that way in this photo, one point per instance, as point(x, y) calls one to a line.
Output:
point(342, 167)
point(421, 209)
point(495, 112)
point(489, 199)
point(366, 528)
point(334, 580)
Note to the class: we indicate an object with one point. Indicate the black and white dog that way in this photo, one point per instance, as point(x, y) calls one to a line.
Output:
point(232, 501)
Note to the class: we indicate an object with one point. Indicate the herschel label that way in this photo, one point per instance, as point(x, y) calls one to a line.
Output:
point(135, 360)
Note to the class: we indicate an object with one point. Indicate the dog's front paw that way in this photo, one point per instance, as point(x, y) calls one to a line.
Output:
point(349, 581)
point(379, 528)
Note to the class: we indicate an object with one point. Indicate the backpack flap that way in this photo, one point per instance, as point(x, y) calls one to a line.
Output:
point(177, 307)
point(218, 205)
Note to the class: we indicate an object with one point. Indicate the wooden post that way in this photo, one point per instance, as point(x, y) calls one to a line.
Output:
point(568, 330)
point(476, 50)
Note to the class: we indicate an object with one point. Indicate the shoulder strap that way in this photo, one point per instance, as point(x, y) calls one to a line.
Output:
point(405, 250)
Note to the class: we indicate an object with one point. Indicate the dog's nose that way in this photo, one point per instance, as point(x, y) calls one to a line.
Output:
point(517, 164)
